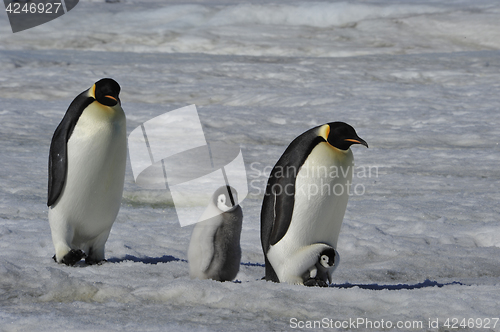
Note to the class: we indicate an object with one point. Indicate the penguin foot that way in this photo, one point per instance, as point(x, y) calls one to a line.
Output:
point(73, 256)
point(315, 283)
point(90, 261)
point(268, 279)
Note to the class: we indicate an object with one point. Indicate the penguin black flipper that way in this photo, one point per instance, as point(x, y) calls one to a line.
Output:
point(58, 147)
point(277, 207)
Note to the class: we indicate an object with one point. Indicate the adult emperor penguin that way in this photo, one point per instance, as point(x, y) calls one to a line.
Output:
point(214, 250)
point(305, 200)
point(86, 173)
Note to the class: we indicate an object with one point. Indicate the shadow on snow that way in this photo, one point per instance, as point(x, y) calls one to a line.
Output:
point(425, 284)
point(146, 260)
point(167, 258)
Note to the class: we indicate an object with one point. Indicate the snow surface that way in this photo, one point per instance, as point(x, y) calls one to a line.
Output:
point(419, 80)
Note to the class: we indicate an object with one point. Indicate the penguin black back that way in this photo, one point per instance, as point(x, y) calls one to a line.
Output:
point(283, 176)
point(277, 207)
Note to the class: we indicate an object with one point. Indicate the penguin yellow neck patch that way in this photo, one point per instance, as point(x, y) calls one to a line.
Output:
point(324, 131)
point(92, 91)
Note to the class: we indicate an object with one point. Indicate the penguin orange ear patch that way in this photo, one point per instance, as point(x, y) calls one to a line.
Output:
point(27, 15)
point(324, 131)
point(92, 91)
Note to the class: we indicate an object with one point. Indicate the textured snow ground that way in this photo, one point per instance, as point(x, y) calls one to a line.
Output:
point(419, 81)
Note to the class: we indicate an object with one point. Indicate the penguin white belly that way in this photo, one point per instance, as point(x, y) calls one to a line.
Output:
point(321, 195)
point(96, 154)
point(201, 246)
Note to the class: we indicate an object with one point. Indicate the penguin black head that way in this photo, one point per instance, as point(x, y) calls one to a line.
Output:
point(107, 91)
point(327, 257)
point(341, 135)
point(225, 198)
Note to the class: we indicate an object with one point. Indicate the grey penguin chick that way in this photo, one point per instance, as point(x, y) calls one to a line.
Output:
point(214, 250)
point(321, 273)
point(87, 161)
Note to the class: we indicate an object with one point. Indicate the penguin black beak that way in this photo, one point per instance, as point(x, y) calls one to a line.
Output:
point(109, 100)
point(357, 141)
point(117, 100)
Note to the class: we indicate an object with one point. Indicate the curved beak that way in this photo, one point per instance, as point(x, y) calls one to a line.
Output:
point(357, 141)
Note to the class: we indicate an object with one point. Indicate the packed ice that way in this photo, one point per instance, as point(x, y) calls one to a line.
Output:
point(418, 80)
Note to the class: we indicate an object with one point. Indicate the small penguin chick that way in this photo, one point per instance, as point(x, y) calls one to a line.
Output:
point(214, 250)
point(320, 273)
